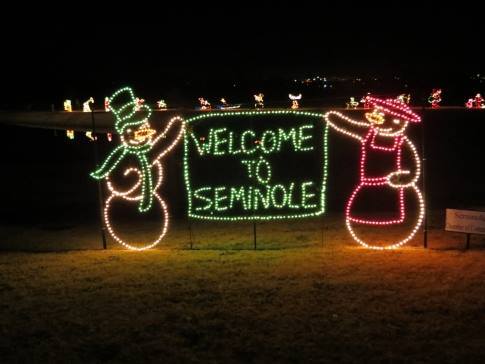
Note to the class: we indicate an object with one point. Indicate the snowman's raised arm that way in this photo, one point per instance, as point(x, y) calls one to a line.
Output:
point(167, 139)
point(345, 125)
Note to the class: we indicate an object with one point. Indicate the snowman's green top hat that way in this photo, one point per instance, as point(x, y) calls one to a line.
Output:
point(127, 113)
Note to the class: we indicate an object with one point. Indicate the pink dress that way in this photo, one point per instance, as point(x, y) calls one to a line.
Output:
point(373, 194)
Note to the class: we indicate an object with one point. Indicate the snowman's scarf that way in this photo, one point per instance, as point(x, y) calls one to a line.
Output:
point(117, 156)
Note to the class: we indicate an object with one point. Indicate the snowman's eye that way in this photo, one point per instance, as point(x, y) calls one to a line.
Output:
point(396, 121)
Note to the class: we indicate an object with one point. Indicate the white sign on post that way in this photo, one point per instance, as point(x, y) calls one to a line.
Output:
point(465, 221)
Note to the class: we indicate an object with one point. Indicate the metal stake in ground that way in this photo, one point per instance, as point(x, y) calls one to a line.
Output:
point(100, 190)
point(423, 166)
point(254, 235)
point(323, 229)
point(190, 234)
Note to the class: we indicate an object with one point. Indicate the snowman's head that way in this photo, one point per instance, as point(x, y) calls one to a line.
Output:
point(138, 136)
point(384, 124)
point(390, 117)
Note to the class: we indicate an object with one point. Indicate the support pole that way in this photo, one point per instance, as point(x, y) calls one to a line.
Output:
point(100, 190)
point(423, 166)
point(323, 230)
point(190, 235)
point(254, 235)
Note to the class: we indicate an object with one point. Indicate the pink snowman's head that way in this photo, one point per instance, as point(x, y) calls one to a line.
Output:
point(390, 116)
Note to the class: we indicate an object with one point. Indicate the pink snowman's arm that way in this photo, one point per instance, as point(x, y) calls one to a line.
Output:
point(406, 176)
point(345, 125)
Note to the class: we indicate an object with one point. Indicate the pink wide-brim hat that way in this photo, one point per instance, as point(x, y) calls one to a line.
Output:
point(394, 107)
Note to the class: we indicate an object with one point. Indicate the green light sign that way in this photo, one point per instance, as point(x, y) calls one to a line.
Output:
point(255, 165)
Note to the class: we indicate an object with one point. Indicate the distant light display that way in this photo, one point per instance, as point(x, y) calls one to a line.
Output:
point(86, 105)
point(89, 135)
point(259, 101)
point(294, 100)
point(138, 103)
point(70, 134)
point(478, 101)
point(67, 106)
point(365, 101)
point(204, 104)
point(226, 106)
point(352, 104)
point(162, 105)
point(435, 98)
point(404, 98)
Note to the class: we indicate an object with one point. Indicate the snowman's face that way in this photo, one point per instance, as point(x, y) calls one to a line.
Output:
point(386, 125)
point(138, 136)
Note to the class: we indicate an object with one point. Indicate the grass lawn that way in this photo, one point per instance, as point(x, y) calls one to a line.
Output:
point(297, 299)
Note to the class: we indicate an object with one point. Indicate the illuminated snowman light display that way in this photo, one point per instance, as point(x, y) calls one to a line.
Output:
point(384, 147)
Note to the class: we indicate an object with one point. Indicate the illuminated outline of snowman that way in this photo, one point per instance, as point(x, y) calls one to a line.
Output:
point(137, 139)
point(389, 119)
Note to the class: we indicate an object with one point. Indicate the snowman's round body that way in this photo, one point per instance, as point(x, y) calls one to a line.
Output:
point(132, 196)
point(377, 213)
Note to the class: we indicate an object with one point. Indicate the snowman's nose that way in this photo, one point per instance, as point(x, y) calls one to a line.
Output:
point(375, 118)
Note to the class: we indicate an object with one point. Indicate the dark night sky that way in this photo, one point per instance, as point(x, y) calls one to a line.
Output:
point(53, 56)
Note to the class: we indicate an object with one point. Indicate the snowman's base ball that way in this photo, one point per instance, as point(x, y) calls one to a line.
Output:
point(391, 236)
point(135, 229)
point(382, 236)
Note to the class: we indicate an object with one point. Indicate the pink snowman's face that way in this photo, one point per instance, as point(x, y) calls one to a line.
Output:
point(385, 124)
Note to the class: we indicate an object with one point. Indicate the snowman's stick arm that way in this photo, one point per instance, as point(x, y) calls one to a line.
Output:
point(345, 125)
point(167, 139)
